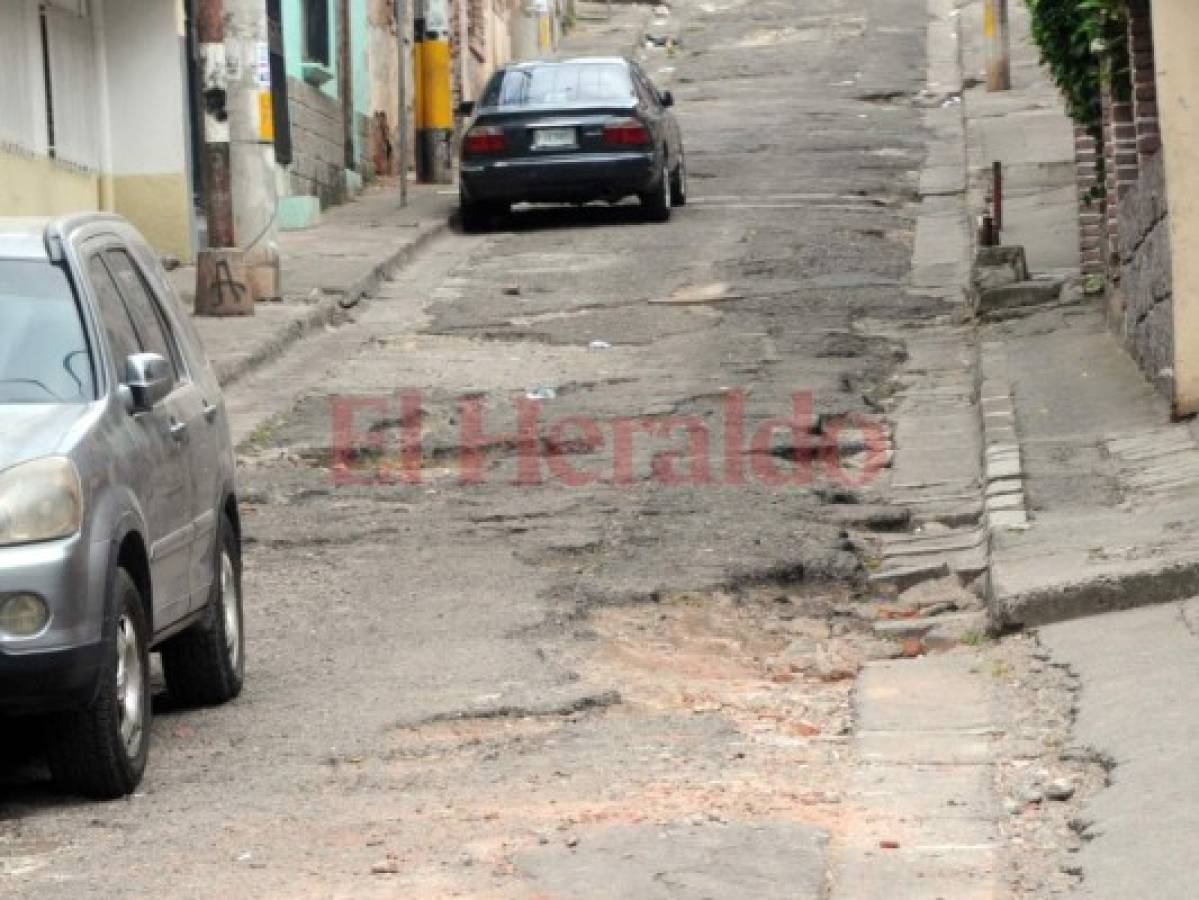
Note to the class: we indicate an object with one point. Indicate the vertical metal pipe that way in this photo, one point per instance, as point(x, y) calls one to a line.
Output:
point(998, 35)
point(402, 22)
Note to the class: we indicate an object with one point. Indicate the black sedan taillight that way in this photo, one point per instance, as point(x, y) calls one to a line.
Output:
point(484, 139)
point(626, 133)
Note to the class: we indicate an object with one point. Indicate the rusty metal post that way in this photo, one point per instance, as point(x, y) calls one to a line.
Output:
point(997, 197)
point(999, 44)
point(403, 23)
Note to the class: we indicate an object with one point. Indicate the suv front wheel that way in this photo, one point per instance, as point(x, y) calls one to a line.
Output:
point(101, 751)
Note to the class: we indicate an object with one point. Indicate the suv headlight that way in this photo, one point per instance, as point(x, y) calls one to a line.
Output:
point(40, 501)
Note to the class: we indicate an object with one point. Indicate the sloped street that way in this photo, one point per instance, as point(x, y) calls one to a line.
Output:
point(578, 558)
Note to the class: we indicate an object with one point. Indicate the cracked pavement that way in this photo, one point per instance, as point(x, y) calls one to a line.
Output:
point(624, 687)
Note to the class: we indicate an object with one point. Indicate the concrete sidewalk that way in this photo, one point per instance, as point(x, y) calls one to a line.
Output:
point(1026, 129)
point(1099, 494)
point(1111, 486)
point(337, 263)
point(1090, 489)
point(1138, 711)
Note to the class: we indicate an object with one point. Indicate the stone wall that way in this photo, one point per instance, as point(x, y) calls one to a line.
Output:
point(318, 143)
point(1148, 315)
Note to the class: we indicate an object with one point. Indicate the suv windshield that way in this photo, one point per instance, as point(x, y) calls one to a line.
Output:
point(556, 83)
point(44, 355)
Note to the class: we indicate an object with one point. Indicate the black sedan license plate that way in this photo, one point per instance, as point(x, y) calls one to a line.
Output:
point(554, 139)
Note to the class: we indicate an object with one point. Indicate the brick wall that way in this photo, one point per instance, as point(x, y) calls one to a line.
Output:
point(1142, 237)
point(1144, 84)
point(1091, 229)
point(318, 143)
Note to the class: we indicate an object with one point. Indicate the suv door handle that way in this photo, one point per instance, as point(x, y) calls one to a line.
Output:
point(178, 429)
point(209, 411)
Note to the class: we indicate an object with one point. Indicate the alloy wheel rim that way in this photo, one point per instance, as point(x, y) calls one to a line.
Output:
point(666, 185)
point(230, 602)
point(131, 686)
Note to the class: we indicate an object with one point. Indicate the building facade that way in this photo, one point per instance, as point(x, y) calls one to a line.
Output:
point(93, 113)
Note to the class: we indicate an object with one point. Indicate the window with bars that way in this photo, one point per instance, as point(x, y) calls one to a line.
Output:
point(49, 94)
point(22, 67)
point(69, 53)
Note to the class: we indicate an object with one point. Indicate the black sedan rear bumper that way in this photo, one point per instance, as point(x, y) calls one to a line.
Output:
point(560, 178)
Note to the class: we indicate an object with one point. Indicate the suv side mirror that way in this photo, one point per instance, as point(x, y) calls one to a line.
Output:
point(148, 380)
point(666, 98)
point(466, 108)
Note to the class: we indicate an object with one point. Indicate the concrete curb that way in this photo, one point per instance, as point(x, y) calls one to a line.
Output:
point(1003, 471)
point(329, 307)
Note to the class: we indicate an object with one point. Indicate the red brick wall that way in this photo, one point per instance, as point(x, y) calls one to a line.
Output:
point(1092, 228)
point(1144, 85)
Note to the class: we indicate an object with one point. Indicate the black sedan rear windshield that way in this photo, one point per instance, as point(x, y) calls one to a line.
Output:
point(44, 356)
point(560, 83)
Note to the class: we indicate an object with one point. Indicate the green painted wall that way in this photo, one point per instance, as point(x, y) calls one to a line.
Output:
point(293, 49)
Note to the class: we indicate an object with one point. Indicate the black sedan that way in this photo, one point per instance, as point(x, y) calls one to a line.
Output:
point(570, 131)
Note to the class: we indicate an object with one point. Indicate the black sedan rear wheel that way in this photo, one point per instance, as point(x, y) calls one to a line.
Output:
point(656, 202)
point(678, 183)
point(478, 217)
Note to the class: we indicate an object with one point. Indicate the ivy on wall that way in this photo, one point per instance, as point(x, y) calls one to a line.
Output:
point(1082, 42)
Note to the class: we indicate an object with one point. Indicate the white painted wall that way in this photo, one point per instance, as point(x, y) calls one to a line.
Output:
point(144, 77)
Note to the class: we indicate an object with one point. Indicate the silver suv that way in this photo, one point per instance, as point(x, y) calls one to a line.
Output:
point(119, 529)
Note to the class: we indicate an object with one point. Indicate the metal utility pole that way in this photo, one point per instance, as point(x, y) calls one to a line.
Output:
point(402, 19)
point(434, 96)
point(241, 263)
point(221, 287)
point(210, 34)
point(999, 45)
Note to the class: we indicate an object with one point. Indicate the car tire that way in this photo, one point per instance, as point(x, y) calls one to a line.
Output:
point(206, 664)
point(678, 183)
point(656, 203)
point(477, 217)
point(101, 751)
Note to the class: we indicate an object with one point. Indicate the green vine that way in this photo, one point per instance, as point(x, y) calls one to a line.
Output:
point(1081, 43)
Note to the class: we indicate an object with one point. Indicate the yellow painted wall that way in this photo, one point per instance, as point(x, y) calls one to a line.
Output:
point(156, 204)
point(1176, 50)
point(36, 186)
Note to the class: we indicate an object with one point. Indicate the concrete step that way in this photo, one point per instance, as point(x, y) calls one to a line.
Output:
point(994, 302)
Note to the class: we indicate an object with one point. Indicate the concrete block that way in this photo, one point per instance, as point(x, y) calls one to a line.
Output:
point(1000, 434)
point(1008, 520)
point(920, 626)
point(1004, 467)
point(1017, 295)
point(1005, 501)
point(298, 213)
point(904, 577)
point(994, 266)
point(1001, 486)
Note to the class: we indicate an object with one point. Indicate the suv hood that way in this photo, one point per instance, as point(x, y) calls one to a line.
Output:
point(33, 430)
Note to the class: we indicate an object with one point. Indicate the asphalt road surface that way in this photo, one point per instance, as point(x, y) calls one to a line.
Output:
point(561, 678)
